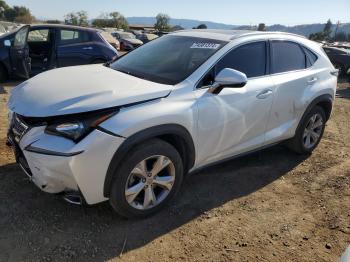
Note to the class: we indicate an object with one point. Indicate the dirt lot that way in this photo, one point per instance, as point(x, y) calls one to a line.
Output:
point(270, 206)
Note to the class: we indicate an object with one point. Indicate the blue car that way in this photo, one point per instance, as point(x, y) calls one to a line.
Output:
point(32, 49)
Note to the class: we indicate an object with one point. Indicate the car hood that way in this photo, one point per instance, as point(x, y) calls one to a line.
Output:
point(72, 90)
point(134, 41)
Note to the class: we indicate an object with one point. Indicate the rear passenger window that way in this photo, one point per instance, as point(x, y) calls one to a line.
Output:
point(73, 36)
point(249, 59)
point(286, 56)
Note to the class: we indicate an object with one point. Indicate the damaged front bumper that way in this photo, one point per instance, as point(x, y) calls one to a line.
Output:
point(56, 164)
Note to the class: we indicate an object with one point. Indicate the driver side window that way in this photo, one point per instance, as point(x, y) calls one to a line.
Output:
point(249, 59)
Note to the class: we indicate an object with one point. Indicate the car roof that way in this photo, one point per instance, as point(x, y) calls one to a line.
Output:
point(39, 26)
point(227, 35)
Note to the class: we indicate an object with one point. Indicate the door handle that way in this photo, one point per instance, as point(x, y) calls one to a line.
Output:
point(264, 94)
point(312, 80)
point(88, 48)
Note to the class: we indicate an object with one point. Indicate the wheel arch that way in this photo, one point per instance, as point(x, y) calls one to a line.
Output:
point(324, 101)
point(176, 135)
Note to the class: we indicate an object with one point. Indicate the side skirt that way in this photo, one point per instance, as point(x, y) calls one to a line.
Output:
point(194, 171)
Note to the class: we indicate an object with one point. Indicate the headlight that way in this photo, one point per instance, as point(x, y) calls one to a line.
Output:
point(75, 129)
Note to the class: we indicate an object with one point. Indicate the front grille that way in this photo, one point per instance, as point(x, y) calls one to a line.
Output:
point(18, 127)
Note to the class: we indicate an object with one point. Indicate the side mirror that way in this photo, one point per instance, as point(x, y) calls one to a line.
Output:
point(228, 78)
point(7, 43)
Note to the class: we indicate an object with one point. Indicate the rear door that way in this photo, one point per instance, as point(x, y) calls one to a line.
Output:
point(19, 53)
point(293, 76)
point(74, 47)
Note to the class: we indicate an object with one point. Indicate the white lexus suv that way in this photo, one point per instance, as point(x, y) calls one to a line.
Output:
point(130, 130)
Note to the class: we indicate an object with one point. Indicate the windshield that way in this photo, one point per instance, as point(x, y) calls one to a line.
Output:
point(127, 35)
point(169, 59)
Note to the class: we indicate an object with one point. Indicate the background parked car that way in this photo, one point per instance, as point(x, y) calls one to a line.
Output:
point(135, 32)
point(128, 41)
point(30, 50)
point(2, 30)
point(110, 39)
point(342, 45)
point(340, 58)
point(161, 33)
point(145, 38)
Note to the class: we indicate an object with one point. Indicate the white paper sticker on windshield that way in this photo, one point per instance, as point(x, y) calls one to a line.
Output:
point(205, 45)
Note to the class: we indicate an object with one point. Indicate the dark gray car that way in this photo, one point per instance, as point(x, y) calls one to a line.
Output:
point(340, 58)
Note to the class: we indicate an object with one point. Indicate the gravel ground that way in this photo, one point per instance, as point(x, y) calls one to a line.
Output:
point(269, 206)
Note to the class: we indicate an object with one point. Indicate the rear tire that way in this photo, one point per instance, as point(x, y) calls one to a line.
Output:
point(138, 190)
point(3, 74)
point(309, 132)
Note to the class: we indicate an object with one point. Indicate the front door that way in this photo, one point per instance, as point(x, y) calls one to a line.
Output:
point(19, 53)
point(234, 121)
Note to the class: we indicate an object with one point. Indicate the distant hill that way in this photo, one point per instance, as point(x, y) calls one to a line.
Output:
point(185, 23)
point(305, 30)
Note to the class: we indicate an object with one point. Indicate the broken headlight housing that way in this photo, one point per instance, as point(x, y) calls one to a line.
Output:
point(79, 126)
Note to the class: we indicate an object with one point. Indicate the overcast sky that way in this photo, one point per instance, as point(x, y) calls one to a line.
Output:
point(287, 12)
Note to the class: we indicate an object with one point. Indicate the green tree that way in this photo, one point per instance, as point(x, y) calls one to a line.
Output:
point(202, 26)
point(53, 21)
point(327, 30)
point(24, 19)
point(102, 22)
point(4, 5)
point(319, 36)
point(119, 21)
point(3, 8)
point(261, 27)
point(79, 18)
point(18, 12)
point(162, 23)
point(323, 35)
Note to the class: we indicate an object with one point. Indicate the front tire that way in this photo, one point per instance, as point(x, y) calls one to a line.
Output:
point(309, 132)
point(148, 178)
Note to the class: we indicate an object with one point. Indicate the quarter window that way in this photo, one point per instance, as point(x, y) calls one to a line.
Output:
point(286, 56)
point(249, 59)
point(311, 57)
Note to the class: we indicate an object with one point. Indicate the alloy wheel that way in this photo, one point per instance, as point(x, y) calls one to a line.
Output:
point(313, 130)
point(150, 182)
